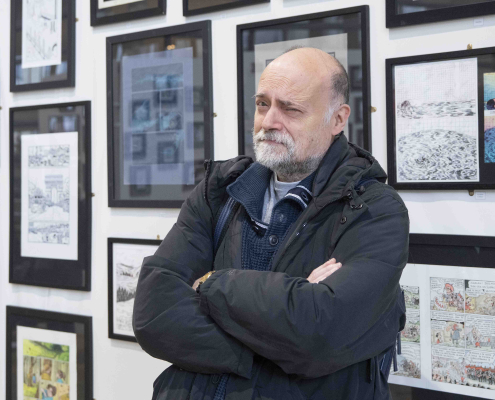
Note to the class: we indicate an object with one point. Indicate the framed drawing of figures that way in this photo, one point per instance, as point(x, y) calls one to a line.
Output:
point(343, 34)
point(159, 114)
point(440, 121)
point(412, 12)
point(42, 44)
point(195, 7)
point(448, 339)
point(50, 195)
point(109, 11)
point(49, 355)
point(125, 257)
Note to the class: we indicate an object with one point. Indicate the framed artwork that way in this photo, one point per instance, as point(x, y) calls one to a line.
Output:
point(413, 12)
point(195, 7)
point(42, 44)
point(342, 33)
point(50, 196)
point(448, 343)
point(125, 257)
point(49, 355)
point(440, 121)
point(109, 11)
point(159, 110)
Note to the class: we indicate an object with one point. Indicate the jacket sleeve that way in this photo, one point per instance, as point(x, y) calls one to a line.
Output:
point(315, 329)
point(168, 322)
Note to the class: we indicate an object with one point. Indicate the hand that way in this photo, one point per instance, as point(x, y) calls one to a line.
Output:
point(324, 271)
point(196, 284)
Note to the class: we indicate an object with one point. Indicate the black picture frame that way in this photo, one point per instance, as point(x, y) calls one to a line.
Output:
point(354, 22)
point(128, 11)
point(185, 118)
point(58, 323)
point(451, 250)
point(70, 270)
point(433, 13)
point(216, 5)
point(129, 278)
point(432, 162)
point(38, 74)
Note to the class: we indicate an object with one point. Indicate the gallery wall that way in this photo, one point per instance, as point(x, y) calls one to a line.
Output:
point(121, 369)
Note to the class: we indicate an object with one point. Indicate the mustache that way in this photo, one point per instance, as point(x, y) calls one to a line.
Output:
point(274, 136)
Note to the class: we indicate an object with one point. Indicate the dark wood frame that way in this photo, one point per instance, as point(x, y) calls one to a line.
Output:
point(444, 14)
point(205, 28)
point(31, 317)
point(161, 9)
point(31, 267)
point(111, 241)
point(391, 115)
point(69, 48)
point(452, 250)
point(366, 82)
point(220, 7)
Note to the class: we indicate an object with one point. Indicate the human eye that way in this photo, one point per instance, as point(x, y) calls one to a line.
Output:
point(261, 103)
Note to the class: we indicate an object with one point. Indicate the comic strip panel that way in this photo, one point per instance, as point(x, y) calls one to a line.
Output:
point(480, 297)
point(480, 332)
point(411, 296)
point(447, 294)
point(409, 361)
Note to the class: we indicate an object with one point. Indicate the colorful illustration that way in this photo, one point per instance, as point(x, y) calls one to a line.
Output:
point(447, 294)
point(480, 332)
point(411, 331)
point(409, 361)
point(447, 333)
point(480, 297)
point(411, 296)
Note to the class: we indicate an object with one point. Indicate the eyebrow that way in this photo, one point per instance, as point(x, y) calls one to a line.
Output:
point(285, 103)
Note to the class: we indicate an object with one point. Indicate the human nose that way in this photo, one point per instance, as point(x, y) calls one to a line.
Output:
point(272, 120)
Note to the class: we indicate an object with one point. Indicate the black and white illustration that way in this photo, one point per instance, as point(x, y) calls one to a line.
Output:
point(437, 121)
point(49, 202)
point(127, 260)
point(41, 33)
point(158, 109)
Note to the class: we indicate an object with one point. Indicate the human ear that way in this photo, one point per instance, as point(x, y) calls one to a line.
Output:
point(341, 115)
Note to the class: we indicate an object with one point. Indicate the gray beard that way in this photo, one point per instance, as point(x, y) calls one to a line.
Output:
point(285, 165)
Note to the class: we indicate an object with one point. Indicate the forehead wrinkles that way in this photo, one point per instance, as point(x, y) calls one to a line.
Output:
point(286, 89)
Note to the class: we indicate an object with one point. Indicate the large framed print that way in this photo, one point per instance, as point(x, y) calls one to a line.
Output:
point(42, 44)
point(441, 120)
point(342, 33)
point(109, 11)
point(125, 257)
point(412, 12)
point(50, 195)
point(448, 343)
point(49, 355)
point(159, 114)
point(195, 7)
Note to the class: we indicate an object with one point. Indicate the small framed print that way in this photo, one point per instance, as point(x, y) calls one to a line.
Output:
point(342, 33)
point(195, 7)
point(125, 257)
point(109, 11)
point(50, 194)
point(42, 44)
point(413, 12)
point(159, 112)
point(440, 122)
point(49, 355)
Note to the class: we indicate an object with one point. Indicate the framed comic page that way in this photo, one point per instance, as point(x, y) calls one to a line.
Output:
point(159, 114)
point(125, 257)
point(42, 44)
point(448, 343)
point(413, 12)
point(342, 33)
point(50, 195)
point(109, 11)
point(195, 7)
point(49, 355)
point(441, 121)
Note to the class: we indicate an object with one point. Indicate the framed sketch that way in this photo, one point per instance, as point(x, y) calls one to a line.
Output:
point(49, 355)
point(448, 341)
point(125, 257)
point(440, 121)
point(50, 195)
point(42, 44)
point(195, 7)
point(159, 110)
point(342, 33)
point(412, 12)
point(109, 11)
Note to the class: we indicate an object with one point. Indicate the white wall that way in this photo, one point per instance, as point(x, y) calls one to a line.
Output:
point(121, 369)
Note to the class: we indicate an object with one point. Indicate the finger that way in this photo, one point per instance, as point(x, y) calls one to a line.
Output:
point(324, 271)
point(324, 265)
point(328, 272)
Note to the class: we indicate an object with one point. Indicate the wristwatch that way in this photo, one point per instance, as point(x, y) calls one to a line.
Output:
point(203, 279)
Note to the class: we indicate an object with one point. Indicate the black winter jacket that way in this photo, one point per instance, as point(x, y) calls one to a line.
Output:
point(279, 336)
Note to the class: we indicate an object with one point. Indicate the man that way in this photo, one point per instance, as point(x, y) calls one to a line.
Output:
point(307, 245)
